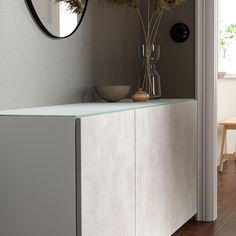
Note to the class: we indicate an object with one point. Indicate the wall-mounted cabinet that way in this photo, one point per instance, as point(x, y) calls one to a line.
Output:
point(120, 173)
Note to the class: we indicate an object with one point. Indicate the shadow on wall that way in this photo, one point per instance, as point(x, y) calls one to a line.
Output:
point(114, 39)
point(177, 63)
point(114, 43)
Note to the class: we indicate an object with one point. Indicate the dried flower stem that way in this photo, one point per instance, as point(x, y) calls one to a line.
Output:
point(150, 22)
point(148, 30)
point(156, 28)
point(142, 23)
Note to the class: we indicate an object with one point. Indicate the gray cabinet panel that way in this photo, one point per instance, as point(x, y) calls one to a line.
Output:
point(37, 176)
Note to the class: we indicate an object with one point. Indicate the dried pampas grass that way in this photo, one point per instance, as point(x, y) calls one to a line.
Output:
point(75, 6)
point(157, 5)
point(129, 3)
point(155, 9)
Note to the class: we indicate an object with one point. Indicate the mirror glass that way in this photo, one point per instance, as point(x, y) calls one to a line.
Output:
point(58, 18)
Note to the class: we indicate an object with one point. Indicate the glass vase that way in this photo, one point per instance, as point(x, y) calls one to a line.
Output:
point(150, 80)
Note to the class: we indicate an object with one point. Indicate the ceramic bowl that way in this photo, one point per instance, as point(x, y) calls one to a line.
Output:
point(113, 93)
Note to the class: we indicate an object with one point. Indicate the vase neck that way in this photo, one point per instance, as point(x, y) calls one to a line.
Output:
point(149, 53)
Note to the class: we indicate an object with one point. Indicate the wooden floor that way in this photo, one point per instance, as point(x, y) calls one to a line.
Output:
point(226, 222)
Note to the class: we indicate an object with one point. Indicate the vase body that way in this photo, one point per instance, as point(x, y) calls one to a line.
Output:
point(149, 80)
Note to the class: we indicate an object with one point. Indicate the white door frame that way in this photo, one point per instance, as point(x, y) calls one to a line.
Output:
point(206, 74)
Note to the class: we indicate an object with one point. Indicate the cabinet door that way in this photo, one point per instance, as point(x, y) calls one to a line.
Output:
point(166, 168)
point(155, 172)
point(37, 176)
point(184, 139)
point(107, 175)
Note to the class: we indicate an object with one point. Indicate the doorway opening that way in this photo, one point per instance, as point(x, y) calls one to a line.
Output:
point(226, 111)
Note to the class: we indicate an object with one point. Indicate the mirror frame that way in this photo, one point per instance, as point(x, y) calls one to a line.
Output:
point(41, 26)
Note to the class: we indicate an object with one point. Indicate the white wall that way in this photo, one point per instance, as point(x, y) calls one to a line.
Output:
point(37, 70)
point(226, 110)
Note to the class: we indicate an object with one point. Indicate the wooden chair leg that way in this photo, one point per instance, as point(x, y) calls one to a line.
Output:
point(222, 149)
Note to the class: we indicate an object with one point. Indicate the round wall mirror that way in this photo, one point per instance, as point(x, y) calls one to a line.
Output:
point(58, 18)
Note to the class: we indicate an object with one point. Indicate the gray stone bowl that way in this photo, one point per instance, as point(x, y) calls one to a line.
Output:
point(113, 93)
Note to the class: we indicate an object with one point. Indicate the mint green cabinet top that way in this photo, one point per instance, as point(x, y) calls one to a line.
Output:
point(87, 109)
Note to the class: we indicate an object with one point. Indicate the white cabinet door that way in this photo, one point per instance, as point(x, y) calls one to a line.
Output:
point(166, 168)
point(37, 176)
point(184, 139)
point(154, 171)
point(107, 179)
